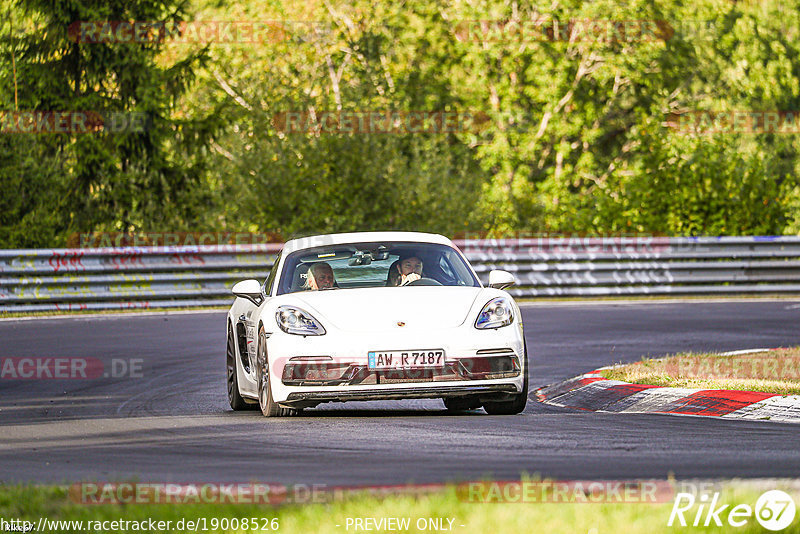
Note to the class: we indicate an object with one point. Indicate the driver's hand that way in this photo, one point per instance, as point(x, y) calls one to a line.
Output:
point(408, 278)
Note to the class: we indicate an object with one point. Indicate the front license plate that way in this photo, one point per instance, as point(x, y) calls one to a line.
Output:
point(406, 359)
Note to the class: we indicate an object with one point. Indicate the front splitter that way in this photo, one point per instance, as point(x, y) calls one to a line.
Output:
point(490, 390)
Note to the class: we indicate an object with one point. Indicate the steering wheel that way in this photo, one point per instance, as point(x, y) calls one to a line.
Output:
point(424, 282)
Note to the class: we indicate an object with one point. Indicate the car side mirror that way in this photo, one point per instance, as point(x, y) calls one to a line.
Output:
point(250, 290)
point(501, 279)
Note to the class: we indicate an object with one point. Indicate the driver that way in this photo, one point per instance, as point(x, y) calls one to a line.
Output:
point(405, 270)
point(320, 276)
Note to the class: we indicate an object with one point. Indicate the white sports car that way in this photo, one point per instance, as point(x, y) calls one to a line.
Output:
point(375, 316)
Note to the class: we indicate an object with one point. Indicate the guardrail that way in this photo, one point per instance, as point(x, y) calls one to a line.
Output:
point(175, 277)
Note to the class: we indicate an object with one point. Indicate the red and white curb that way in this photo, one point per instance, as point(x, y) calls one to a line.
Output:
point(592, 392)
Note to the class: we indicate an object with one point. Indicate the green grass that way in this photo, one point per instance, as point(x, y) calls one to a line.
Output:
point(775, 371)
point(32, 502)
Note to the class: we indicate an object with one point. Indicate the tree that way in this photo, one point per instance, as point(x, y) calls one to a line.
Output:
point(110, 180)
point(363, 57)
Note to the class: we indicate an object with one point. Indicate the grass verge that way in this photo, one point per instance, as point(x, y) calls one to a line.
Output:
point(31, 503)
point(774, 371)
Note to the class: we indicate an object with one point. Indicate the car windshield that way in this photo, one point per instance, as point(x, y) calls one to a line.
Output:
point(360, 265)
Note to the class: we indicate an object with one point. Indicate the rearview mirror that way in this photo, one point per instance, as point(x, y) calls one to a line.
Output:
point(501, 279)
point(381, 254)
point(250, 290)
point(360, 258)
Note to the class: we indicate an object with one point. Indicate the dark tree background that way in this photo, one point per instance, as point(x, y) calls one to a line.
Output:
point(577, 140)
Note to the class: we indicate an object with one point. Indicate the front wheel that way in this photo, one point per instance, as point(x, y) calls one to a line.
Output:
point(268, 406)
point(517, 403)
point(234, 397)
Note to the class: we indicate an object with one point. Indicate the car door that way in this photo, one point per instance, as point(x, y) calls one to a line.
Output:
point(247, 330)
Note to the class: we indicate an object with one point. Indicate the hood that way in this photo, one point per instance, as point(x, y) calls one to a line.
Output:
point(380, 308)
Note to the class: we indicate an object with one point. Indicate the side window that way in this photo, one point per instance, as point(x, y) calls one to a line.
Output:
point(272, 274)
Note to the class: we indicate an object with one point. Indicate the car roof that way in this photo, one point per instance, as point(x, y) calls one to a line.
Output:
point(362, 237)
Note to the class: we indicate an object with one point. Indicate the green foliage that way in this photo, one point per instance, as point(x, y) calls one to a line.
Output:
point(96, 181)
point(578, 138)
point(584, 122)
point(366, 57)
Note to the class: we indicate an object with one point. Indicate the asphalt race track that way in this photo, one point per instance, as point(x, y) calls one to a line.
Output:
point(173, 424)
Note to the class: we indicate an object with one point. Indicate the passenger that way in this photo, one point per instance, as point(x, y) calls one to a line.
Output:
point(320, 276)
point(404, 271)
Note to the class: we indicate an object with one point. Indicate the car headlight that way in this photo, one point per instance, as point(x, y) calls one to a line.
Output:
point(296, 321)
point(497, 312)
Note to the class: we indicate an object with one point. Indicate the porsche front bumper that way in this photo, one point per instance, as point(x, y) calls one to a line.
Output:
point(488, 364)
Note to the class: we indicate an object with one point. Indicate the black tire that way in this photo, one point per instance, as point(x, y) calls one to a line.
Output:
point(517, 403)
point(234, 397)
point(268, 406)
point(461, 404)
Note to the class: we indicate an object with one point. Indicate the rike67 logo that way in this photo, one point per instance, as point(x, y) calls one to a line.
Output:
point(774, 510)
